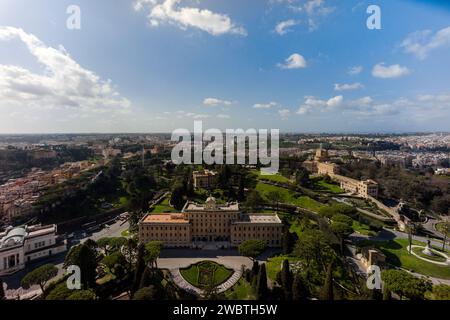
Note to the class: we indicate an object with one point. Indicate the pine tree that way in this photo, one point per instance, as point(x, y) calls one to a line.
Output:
point(261, 287)
point(327, 289)
point(299, 290)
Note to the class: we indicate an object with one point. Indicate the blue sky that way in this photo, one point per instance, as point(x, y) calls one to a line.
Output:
point(157, 65)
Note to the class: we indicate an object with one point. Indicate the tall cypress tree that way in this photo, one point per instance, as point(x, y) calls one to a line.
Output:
point(299, 290)
point(255, 268)
point(139, 269)
point(286, 280)
point(327, 289)
point(262, 290)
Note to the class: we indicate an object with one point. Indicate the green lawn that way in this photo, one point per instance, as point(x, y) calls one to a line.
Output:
point(242, 290)
point(200, 274)
point(437, 258)
point(163, 206)
point(289, 197)
point(273, 265)
point(274, 177)
point(397, 254)
point(363, 229)
point(322, 185)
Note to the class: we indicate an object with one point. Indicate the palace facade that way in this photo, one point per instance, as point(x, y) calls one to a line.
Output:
point(198, 224)
point(21, 245)
point(322, 166)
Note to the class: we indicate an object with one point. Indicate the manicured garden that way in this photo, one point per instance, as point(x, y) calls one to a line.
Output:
point(274, 177)
point(322, 185)
point(163, 206)
point(397, 254)
point(206, 273)
point(289, 196)
point(419, 252)
point(274, 265)
point(363, 229)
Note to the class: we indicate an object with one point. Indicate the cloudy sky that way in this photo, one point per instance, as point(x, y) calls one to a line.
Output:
point(157, 65)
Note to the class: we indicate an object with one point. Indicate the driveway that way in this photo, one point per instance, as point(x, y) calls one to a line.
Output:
point(389, 234)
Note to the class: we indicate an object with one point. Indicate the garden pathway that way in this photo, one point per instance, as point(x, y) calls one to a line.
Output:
point(183, 284)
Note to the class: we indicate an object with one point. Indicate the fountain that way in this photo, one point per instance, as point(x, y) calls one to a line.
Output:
point(427, 250)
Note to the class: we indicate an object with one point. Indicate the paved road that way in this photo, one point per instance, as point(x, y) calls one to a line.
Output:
point(389, 234)
point(115, 230)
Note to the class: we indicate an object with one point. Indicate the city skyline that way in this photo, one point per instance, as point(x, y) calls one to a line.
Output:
point(157, 65)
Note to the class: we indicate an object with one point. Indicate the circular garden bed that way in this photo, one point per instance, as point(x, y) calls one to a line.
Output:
point(206, 273)
point(436, 257)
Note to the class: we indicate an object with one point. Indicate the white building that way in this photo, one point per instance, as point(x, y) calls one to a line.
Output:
point(24, 244)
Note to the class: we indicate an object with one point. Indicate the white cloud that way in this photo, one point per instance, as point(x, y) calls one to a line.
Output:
point(284, 113)
point(335, 102)
point(213, 102)
point(169, 11)
point(312, 103)
point(355, 70)
point(285, 26)
point(183, 114)
point(393, 71)
point(265, 105)
point(223, 116)
point(421, 43)
point(295, 61)
point(64, 84)
point(345, 86)
point(362, 102)
point(313, 10)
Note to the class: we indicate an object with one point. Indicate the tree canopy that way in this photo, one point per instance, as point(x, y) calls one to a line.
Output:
point(405, 284)
point(40, 276)
point(252, 248)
